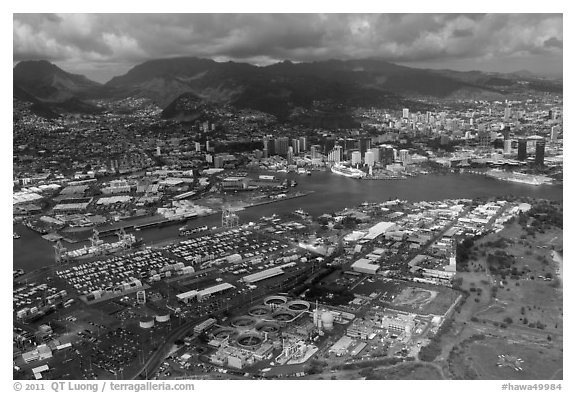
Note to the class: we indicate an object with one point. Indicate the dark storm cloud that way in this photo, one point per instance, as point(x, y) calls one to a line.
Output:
point(118, 41)
point(553, 42)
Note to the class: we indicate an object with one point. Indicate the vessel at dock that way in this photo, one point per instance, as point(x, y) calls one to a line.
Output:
point(348, 172)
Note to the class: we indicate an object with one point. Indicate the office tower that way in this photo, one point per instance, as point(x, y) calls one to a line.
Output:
point(364, 145)
point(290, 156)
point(484, 139)
point(335, 155)
point(369, 158)
point(377, 154)
point(403, 156)
point(303, 143)
point(540, 147)
point(197, 146)
point(209, 158)
point(281, 146)
point(296, 146)
point(507, 146)
point(405, 113)
point(158, 151)
point(315, 151)
point(507, 113)
point(522, 149)
point(554, 133)
point(356, 158)
point(219, 162)
point(388, 155)
point(329, 144)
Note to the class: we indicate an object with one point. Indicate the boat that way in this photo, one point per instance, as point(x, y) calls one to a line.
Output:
point(348, 172)
point(302, 214)
point(16, 236)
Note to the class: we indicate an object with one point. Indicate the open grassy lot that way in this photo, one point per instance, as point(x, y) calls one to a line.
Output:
point(539, 363)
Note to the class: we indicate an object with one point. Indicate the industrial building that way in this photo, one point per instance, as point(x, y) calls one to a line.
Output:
point(264, 274)
point(364, 265)
point(204, 293)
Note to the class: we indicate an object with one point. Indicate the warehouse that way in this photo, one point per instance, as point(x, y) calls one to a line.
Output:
point(203, 294)
point(252, 278)
point(364, 266)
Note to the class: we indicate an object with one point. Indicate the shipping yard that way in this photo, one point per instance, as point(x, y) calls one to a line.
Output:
point(380, 289)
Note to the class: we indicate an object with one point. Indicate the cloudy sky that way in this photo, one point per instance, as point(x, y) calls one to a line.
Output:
point(101, 46)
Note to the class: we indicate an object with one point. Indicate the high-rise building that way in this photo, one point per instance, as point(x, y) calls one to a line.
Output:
point(522, 149)
point(315, 151)
point(484, 139)
point(268, 149)
point(369, 158)
point(377, 154)
point(506, 133)
point(507, 146)
point(290, 156)
point(329, 144)
point(208, 146)
point(554, 133)
point(403, 156)
point(388, 155)
point(281, 145)
point(197, 146)
point(364, 145)
point(356, 158)
point(540, 147)
point(219, 162)
point(405, 113)
point(507, 113)
point(303, 143)
point(296, 146)
point(158, 151)
point(335, 155)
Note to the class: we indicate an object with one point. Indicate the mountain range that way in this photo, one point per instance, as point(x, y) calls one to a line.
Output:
point(186, 86)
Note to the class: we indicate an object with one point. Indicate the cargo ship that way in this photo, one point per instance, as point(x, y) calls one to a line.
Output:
point(348, 172)
point(186, 231)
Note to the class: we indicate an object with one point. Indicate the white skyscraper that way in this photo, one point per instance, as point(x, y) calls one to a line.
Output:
point(369, 158)
point(405, 113)
point(356, 158)
point(508, 146)
point(403, 155)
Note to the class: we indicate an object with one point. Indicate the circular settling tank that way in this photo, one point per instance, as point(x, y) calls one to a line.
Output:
point(283, 316)
point(268, 327)
point(259, 311)
point(275, 300)
point(244, 322)
point(298, 305)
point(223, 333)
point(249, 340)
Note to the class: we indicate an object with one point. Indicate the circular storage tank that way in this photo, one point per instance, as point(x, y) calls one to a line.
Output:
point(275, 300)
point(259, 311)
point(249, 340)
point(327, 320)
point(244, 322)
point(163, 317)
point(298, 305)
point(147, 323)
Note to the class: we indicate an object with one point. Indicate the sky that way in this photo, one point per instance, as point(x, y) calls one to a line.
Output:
point(102, 46)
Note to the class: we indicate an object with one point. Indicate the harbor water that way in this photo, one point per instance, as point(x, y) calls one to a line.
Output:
point(330, 192)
